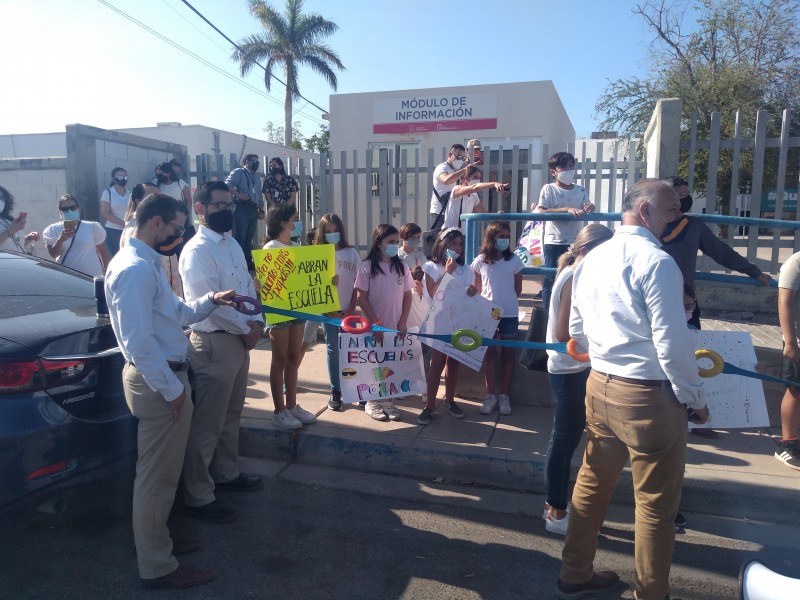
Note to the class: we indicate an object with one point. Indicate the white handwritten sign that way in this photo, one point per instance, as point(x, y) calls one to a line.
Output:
point(372, 371)
point(451, 309)
point(735, 402)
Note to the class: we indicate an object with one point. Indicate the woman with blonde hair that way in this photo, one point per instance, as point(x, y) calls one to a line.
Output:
point(568, 381)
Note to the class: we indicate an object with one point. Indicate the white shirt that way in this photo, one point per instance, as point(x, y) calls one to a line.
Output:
point(148, 318)
point(459, 206)
point(413, 259)
point(552, 196)
point(347, 262)
point(497, 282)
point(463, 273)
point(627, 309)
point(14, 242)
point(560, 363)
point(442, 189)
point(81, 250)
point(211, 262)
point(118, 204)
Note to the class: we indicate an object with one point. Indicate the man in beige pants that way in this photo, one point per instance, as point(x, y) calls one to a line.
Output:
point(148, 322)
point(219, 354)
point(627, 310)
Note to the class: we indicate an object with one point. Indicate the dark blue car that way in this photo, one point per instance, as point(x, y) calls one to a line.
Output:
point(63, 417)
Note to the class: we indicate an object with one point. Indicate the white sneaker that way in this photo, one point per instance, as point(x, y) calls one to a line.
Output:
point(302, 415)
point(285, 420)
point(505, 404)
point(391, 411)
point(557, 526)
point(375, 410)
point(489, 404)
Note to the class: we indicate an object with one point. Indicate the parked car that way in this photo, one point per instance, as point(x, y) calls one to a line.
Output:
point(63, 416)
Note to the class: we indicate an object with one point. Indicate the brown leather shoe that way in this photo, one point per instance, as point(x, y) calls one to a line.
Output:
point(184, 546)
point(601, 582)
point(182, 577)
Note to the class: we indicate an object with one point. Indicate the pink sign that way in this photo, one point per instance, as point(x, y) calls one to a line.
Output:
point(423, 126)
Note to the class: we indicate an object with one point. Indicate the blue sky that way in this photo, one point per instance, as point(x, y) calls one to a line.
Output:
point(78, 61)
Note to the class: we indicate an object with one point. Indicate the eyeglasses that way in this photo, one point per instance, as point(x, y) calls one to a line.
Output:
point(178, 230)
point(223, 205)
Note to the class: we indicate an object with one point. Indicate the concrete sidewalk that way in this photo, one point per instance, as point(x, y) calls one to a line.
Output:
point(734, 475)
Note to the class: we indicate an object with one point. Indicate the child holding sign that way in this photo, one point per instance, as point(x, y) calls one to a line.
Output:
point(447, 256)
point(330, 230)
point(500, 273)
point(285, 337)
point(384, 285)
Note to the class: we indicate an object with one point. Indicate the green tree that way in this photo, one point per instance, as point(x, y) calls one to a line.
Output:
point(319, 142)
point(290, 39)
point(277, 135)
point(715, 55)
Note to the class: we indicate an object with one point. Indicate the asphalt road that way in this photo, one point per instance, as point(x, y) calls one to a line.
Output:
point(323, 533)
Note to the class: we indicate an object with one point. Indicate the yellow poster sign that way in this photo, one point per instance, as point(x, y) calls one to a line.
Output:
point(298, 278)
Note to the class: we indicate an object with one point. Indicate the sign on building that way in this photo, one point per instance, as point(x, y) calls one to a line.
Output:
point(443, 112)
point(769, 200)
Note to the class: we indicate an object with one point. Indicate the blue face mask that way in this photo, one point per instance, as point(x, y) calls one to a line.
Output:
point(391, 250)
point(298, 229)
point(502, 244)
point(451, 254)
point(412, 244)
point(333, 237)
point(71, 215)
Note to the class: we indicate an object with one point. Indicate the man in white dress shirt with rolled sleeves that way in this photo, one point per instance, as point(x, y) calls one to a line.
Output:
point(627, 310)
point(148, 320)
point(219, 354)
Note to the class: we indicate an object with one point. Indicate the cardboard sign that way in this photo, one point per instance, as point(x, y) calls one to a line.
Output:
point(451, 309)
point(530, 245)
point(733, 401)
point(297, 278)
point(370, 371)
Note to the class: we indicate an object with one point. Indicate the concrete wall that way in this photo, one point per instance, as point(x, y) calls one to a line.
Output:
point(33, 145)
point(524, 110)
point(662, 138)
point(36, 184)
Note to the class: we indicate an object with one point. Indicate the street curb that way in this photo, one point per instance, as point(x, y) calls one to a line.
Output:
point(754, 497)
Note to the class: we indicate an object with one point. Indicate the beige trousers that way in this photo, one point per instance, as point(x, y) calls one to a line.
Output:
point(220, 363)
point(161, 446)
point(647, 425)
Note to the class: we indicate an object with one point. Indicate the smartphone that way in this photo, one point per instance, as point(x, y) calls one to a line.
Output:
point(70, 225)
point(22, 216)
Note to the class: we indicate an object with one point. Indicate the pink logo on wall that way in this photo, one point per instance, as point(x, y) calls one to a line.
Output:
point(421, 114)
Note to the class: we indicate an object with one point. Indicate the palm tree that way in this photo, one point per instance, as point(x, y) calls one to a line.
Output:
point(291, 39)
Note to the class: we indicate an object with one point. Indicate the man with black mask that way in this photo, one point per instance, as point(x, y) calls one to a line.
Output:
point(684, 237)
point(212, 258)
point(245, 186)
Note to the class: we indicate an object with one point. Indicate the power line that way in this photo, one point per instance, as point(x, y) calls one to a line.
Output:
point(239, 48)
point(201, 59)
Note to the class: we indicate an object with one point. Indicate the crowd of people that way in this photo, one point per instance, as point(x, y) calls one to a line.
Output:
point(633, 399)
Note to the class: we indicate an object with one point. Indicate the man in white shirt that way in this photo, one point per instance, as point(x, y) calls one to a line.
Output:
point(627, 310)
point(148, 320)
point(445, 178)
point(219, 354)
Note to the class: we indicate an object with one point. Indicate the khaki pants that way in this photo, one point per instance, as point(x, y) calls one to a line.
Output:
point(161, 446)
point(648, 426)
point(220, 363)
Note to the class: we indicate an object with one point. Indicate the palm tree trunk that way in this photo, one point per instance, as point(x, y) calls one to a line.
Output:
point(287, 118)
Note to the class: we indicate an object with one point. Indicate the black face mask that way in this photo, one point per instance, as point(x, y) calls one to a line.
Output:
point(276, 171)
point(169, 246)
point(162, 178)
point(254, 165)
point(686, 204)
point(121, 181)
point(220, 221)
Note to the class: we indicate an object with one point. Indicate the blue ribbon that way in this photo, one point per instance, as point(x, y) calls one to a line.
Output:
point(730, 369)
point(559, 347)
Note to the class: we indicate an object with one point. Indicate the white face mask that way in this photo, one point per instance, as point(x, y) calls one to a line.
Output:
point(566, 177)
point(457, 164)
point(474, 181)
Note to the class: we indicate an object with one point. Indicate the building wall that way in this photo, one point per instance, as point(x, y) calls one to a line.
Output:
point(33, 145)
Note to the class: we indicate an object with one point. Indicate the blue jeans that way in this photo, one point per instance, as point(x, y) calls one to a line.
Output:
point(113, 237)
point(245, 219)
point(569, 422)
point(552, 252)
point(332, 342)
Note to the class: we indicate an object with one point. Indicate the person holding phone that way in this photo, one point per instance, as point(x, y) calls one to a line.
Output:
point(11, 228)
point(75, 243)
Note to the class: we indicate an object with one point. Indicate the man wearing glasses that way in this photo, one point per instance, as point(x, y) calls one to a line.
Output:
point(219, 357)
point(148, 320)
point(445, 178)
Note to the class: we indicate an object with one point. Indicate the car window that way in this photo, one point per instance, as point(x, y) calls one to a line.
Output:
point(32, 286)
